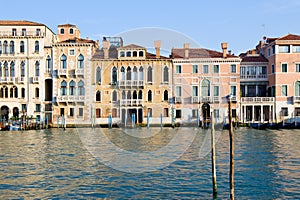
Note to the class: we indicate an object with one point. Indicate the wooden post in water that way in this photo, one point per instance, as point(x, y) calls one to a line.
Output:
point(213, 156)
point(231, 140)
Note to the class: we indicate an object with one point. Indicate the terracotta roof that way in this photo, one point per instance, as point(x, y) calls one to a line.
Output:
point(77, 40)
point(112, 53)
point(290, 37)
point(19, 23)
point(132, 46)
point(153, 56)
point(68, 25)
point(254, 58)
point(199, 53)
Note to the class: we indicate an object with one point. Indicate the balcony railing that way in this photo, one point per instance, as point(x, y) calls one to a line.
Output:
point(70, 98)
point(3, 80)
point(20, 33)
point(131, 83)
point(296, 99)
point(62, 72)
point(20, 79)
point(257, 99)
point(256, 77)
point(131, 102)
point(178, 100)
point(195, 99)
point(205, 99)
point(35, 79)
point(216, 99)
point(79, 72)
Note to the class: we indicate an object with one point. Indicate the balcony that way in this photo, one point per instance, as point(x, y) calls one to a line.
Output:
point(216, 99)
point(195, 99)
point(21, 33)
point(131, 102)
point(20, 79)
point(296, 99)
point(131, 83)
point(258, 99)
point(70, 99)
point(48, 74)
point(3, 80)
point(35, 79)
point(178, 100)
point(205, 99)
point(79, 72)
point(62, 72)
point(257, 77)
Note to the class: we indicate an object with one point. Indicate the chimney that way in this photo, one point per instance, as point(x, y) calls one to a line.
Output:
point(186, 47)
point(157, 45)
point(224, 46)
point(105, 45)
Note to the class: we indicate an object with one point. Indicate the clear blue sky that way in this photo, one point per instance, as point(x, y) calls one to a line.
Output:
point(240, 23)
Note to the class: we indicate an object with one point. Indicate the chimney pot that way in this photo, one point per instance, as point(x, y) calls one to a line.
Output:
point(186, 47)
point(224, 46)
point(105, 45)
point(157, 45)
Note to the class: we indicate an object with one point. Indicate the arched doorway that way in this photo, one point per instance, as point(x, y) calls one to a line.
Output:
point(16, 112)
point(206, 114)
point(4, 113)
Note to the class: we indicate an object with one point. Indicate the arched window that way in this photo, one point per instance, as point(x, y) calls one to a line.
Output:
point(122, 54)
point(297, 88)
point(5, 92)
point(114, 76)
point(6, 69)
point(5, 46)
point(141, 73)
point(98, 96)
point(22, 47)
point(98, 75)
point(129, 94)
point(134, 54)
point(150, 96)
point(205, 88)
point(48, 63)
point(36, 46)
point(72, 88)
point(166, 95)
point(37, 92)
point(63, 61)
point(12, 47)
point(128, 74)
point(12, 69)
point(122, 73)
point(134, 95)
point(0, 47)
point(166, 74)
point(80, 60)
point(15, 91)
point(22, 69)
point(128, 54)
point(37, 68)
point(141, 53)
point(140, 96)
point(149, 75)
point(1, 93)
point(63, 88)
point(11, 93)
point(135, 74)
point(71, 31)
point(114, 96)
point(0, 69)
point(80, 88)
point(23, 93)
point(123, 95)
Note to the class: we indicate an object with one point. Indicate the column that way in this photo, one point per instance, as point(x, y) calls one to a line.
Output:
point(261, 113)
point(252, 113)
point(273, 113)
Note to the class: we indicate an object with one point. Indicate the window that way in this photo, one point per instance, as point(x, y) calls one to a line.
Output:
point(178, 113)
point(37, 68)
point(72, 52)
point(37, 107)
point(48, 63)
point(166, 95)
point(284, 111)
point(12, 69)
point(114, 96)
point(72, 88)
point(38, 32)
point(98, 75)
point(71, 31)
point(134, 53)
point(5, 46)
point(205, 69)
point(284, 48)
point(14, 32)
point(122, 54)
point(216, 69)
point(80, 111)
point(80, 61)
point(284, 91)
point(62, 31)
point(114, 76)
point(205, 88)
point(149, 75)
point(195, 69)
point(216, 91)
point(114, 112)
point(297, 88)
point(233, 90)
point(98, 112)
point(134, 73)
point(22, 69)
point(141, 53)
point(23, 31)
point(36, 47)
point(37, 93)
point(63, 61)
point(150, 96)
point(128, 54)
point(12, 47)
point(195, 91)
point(284, 67)
point(296, 49)
point(98, 96)
point(6, 69)
point(141, 73)
point(0, 47)
point(80, 88)
point(62, 111)
point(178, 91)
point(166, 112)
point(23, 93)
point(71, 113)
point(166, 74)
point(232, 68)
point(0, 69)
point(297, 67)
point(149, 112)
point(15, 91)
point(273, 49)
point(273, 69)
point(195, 113)
point(178, 69)
point(128, 74)
point(22, 47)
point(63, 88)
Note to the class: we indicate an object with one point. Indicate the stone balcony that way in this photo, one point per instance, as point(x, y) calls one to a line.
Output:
point(257, 77)
point(257, 99)
point(131, 83)
point(70, 99)
point(62, 72)
point(131, 102)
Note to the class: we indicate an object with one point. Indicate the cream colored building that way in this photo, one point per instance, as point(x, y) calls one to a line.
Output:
point(131, 84)
point(25, 60)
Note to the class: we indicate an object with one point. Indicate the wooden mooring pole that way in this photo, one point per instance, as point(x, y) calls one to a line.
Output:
point(231, 140)
point(213, 157)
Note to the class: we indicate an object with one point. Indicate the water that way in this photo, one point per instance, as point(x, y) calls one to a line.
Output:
point(55, 164)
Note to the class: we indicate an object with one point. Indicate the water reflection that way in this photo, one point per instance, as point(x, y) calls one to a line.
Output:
point(55, 164)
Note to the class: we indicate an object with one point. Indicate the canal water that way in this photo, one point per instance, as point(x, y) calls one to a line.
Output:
point(54, 163)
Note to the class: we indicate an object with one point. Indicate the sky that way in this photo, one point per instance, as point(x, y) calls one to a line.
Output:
point(202, 23)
